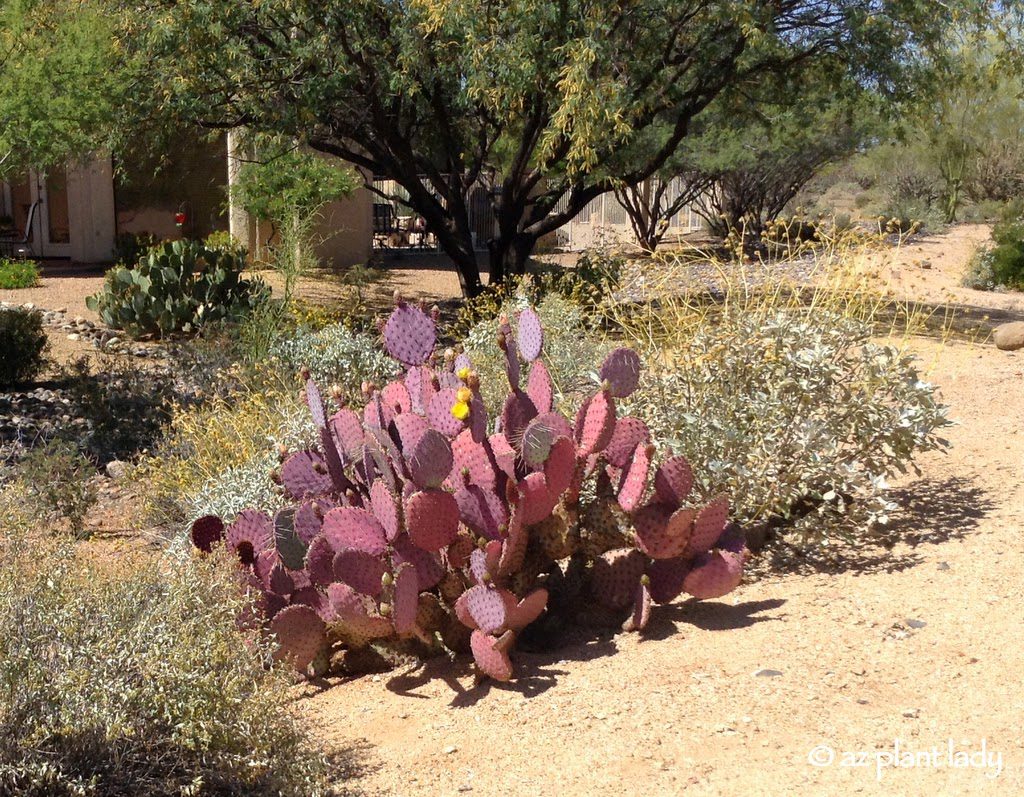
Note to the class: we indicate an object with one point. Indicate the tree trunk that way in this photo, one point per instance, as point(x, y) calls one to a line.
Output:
point(509, 255)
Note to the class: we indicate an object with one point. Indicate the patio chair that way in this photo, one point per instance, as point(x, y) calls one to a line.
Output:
point(18, 244)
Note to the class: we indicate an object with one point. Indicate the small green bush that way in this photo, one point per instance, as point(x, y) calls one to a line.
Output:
point(1008, 254)
point(124, 407)
point(799, 418)
point(18, 274)
point(979, 274)
point(129, 677)
point(60, 480)
point(23, 345)
point(177, 287)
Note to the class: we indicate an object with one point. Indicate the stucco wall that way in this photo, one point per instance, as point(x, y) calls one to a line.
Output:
point(91, 211)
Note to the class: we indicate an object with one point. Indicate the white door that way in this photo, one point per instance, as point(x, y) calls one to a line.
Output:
point(50, 232)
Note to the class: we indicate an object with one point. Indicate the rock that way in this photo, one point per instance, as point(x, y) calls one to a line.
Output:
point(767, 674)
point(74, 336)
point(117, 470)
point(1009, 337)
point(915, 623)
point(942, 566)
point(911, 713)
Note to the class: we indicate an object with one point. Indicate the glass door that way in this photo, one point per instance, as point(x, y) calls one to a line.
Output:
point(49, 234)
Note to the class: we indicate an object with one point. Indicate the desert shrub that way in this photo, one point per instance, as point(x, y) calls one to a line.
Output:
point(571, 349)
point(541, 514)
point(122, 677)
point(797, 415)
point(124, 407)
point(60, 480)
point(215, 457)
point(18, 273)
point(979, 274)
point(177, 287)
point(23, 345)
point(335, 355)
point(1007, 255)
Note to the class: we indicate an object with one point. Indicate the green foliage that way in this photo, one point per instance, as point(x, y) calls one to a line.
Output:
point(130, 677)
point(798, 416)
point(23, 345)
point(336, 355)
point(177, 287)
point(18, 274)
point(1002, 265)
point(124, 407)
point(284, 181)
point(60, 480)
point(60, 83)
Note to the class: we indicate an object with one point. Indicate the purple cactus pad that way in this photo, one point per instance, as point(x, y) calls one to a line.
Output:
point(621, 370)
point(349, 527)
point(206, 532)
point(409, 335)
point(529, 334)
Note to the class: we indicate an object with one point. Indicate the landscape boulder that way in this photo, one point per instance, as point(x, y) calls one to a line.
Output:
point(1009, 337)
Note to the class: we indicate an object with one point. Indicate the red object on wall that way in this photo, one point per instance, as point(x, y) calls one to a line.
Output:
point(180, 218)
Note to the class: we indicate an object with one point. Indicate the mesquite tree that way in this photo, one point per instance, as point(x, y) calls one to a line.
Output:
point(538, 103)
point(651, 204)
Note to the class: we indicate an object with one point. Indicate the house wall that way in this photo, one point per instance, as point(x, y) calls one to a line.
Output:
point(603, 222)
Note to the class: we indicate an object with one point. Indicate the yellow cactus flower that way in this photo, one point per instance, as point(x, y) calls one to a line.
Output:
point(460, 410)
point(463, 395)
point(463, 373)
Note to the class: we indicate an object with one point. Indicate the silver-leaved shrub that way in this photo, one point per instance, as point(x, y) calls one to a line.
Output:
point(800, 418)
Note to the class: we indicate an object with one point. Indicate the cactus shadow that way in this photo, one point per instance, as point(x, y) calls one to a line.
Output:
point(932, 511)
point(667, 621)
point(348, 765)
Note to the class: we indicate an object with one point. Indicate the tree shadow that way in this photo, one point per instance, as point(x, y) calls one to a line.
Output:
point(931, 511)
point(348, 765)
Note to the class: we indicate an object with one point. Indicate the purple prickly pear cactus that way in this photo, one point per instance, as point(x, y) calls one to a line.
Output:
point(418, 518)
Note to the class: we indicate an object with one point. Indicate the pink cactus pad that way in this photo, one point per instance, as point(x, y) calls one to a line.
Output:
point(536, 442)
point(527, 610)
point(206, 532)
point(315, 402)
point(634, 478)
point(511, 359)
point(395, 397)
point(360, 570)
point(595, 423)
point(484, 563)
point(280, 581)
point(536, 499)
point(439, 413)
point(461, 362)
point(305, 473)
point(504, 454)
point(539, 387)
point(314, 599)
point(429, 568)
point(621, 370)
point(629, 433)
point(251, 533)
point(616, 575)
point(517, 412)
point(409, 335)
point(561, 466)
point(406, 599)
point(357, 613)
point(486, 607)
point(637, 621)
point(708, 526)
point(457, 554)
point(432, 518)
point(385, 509)
point(673, 481)
point(307, 521)
point(320, 561)
point(491, 655)
point(529, 334)
point(352, 528)
point(348, 431)
point(406, 429)
point(662, 533)
point(481, 510)
point(667, 576)
point(471, 456)
point(300, 635)
point(714, 574)
point(430, 461)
